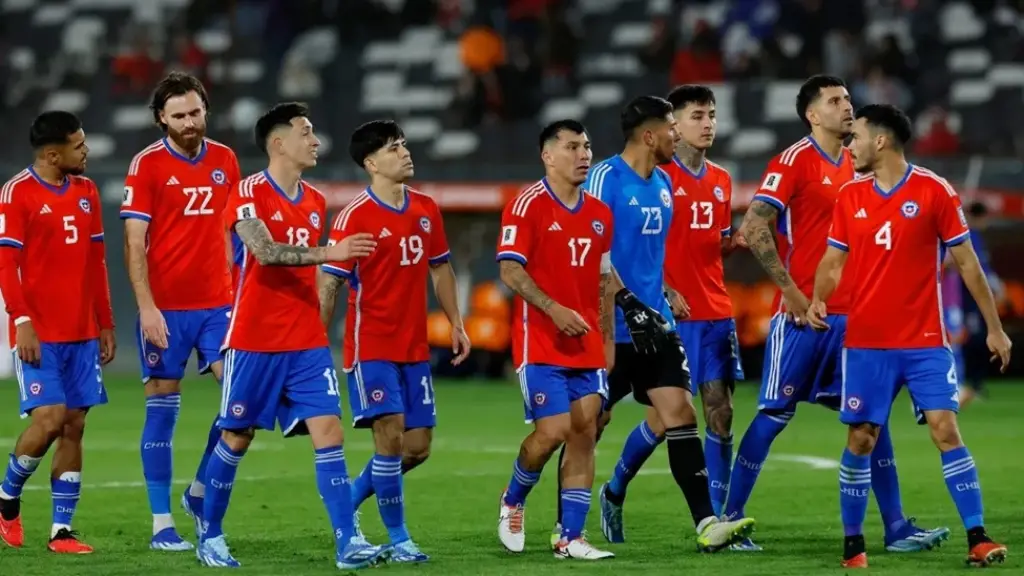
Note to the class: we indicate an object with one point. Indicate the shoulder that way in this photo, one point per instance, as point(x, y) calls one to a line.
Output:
point(314, 192)
point(359, 205)
point(85, 182)
point(719, 173)
point(859, 182)
point(146, 156)
point(252, 185)
point(602, 173)
point(598, 209)
point(8, 192)
point(531, 196)
point(926, 179)
point(219, 148)
point(423, 200)
point(662, 174)
point(795, 154)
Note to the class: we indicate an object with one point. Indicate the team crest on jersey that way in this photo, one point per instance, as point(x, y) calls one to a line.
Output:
point(425, 224)
point(238, 409)
point(666, 198)
point(377, 395)
point(854, 403)
point(35, 388)
point(218, 176)
point(598, 227)
point(910, 209)
point(539, 398)
point(719, 194)
point(84, 204)
point(152, 358)
point(314, 220)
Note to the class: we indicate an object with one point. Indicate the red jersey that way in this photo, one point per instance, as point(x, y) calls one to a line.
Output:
point(896, 242)
point(277, 308)
point(387, 304)
point(803, 183)
point(565, 251)
point(701, 217)
point(53, 270)
point(182, 199)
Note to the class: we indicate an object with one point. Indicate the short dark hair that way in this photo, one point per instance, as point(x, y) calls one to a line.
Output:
point(888, 118)
point(280, 115)
point(810, 90)
point(371, 137)
point(175, 84)
point(681, 96)
point(642, 110)
point(53, 127)
point(551, 131)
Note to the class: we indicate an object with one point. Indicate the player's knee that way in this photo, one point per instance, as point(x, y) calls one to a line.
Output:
point(719, 419)
point(553, 431)
point(388, 434)
point(944, 431)
point(238, 440)
point(416, 448)
point(162, 387)
point(49, 420)
point(654, 423)
point(861, 439)
point(325, 431)
point(74, 426)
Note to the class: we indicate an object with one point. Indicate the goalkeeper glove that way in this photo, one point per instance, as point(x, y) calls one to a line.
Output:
point(647, 329)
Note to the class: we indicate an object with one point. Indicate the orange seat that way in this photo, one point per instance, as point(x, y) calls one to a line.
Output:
point(489, 300)
point(439, 330)
point(488, 334)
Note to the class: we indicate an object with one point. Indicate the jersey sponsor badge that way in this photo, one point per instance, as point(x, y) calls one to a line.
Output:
point(598, 227)
point(771, 182)
point(719, 194)
point(910, 209)
point(84, 204)
point(425, 224)
point(314, 220)
point(129, 193)
point(666, 198)
point(246, 211)
point(218, 176)
point(508, 235)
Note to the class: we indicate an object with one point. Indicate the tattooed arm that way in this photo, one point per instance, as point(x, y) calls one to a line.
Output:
point(515, 277)
point(328, 286)
point(757, 231)
point(606, 311)
point(257, 239)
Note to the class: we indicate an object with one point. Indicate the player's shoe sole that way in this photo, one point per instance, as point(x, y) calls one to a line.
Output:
point(858, 561)
point(986, 554)
point(67, 542)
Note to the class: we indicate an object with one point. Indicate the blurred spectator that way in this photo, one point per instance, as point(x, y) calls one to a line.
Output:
point(658, 54)
point(520, 78)
point(482, 50)
point(560, 43)
point(937, 139)
point(138, 66)
point(188, 57)
point(878, 88)
point(701, 61)
point(893, 61)
point(524, 19)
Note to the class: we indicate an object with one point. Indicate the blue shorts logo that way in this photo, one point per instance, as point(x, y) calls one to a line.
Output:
point(853, 403)
point(152, 358)
point(238, 409)
point(425, 224)
point(35, 388)
point(788, 390)
point(84, 204)
point(910, 209)
point(377, 395)
point(598, 227)
point(218, 176)
point(314, 220)
point(539, 398)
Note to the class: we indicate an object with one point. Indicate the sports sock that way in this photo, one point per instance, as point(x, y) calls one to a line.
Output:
point(335, 491)
point(962, 482)
point(718, 457)
point(561, 458)
point(19, 469)
point(640, 444)
point(199, 482)
point(520, 485)
point(156, 448)
point(854, 486)
point(362, 487)
point(686, 459)
point(220, 475)
point(885, 483)
point(387, 483)
point(575, 505)
point(65, 492)
point(750, 457)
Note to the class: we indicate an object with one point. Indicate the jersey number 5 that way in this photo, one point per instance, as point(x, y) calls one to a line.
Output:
point(884, 235)
point(703, 215)
point(71, 229)
point(198, 201)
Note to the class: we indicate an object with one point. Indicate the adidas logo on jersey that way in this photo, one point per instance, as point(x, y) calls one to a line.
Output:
point(384, 233)
point(633, 202)
point(277, 216)
point(554, 227)
point(862, 213)
point(172, 181)
point(46, 209)
point(826, 181)
point(680, 191)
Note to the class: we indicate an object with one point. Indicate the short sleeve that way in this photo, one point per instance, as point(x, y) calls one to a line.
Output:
point(12, 219)
point(606, 250)
point(345, 225)
point(234, 171)
point(838, 235)
point(952, 223)
point(439, 251)
point(601, 184)
point(241, 204)
point(724, 211)
point(137, 202)
point(96, 227)
point(516, 239)
point(778, 182)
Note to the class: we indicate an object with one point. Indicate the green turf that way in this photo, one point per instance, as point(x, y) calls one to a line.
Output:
point(276, 523)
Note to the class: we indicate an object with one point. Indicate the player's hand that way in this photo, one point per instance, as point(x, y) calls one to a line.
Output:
point(647, 329)
point(568, 320)
point(355, 246)
point(999, 345)
point(739, 241)
point(796, 305)
point(816, 314)
point(108, 346)
point(460, 345)
point(609, 355)
point(28, 344)
point(154, 327)
point(680, 309)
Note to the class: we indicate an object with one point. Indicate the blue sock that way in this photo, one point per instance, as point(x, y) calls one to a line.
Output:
point(718, 459)
point(750, 457)
point(65, 492)
point(211, 443)
point(854, 487)
point(639, 446)
point(575, 505)
point(157, 436)
point(220, 477)
point(335, 491)
point(520, 485)
point(886, 484)
point(362, 488)
point(19, 469)
point(963, 485)
point(387, 483)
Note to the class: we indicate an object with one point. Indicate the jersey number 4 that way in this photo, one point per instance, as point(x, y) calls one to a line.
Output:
point(198, 201)
point(884, 235)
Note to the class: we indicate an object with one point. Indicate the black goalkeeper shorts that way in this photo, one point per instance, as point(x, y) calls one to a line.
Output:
point(637, 373)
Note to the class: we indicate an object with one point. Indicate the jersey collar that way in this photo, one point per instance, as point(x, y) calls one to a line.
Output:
point(696, 175)
point(55, 189)
point(579, 203)
point(279, 190)
point(196, 160)
point(824, 154)
point(385, 205)
point(891, 192)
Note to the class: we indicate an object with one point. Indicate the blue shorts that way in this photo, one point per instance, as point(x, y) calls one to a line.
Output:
point(68, 373)
point(199, 330)
point(802, 364)
point(551, 390)
point(873, 378)
point(378, 388)
point(712, 351)
point(289, 387)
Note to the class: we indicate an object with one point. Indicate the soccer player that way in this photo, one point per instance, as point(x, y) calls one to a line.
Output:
point(386, 354)
point(178, 262)
point(889, 232)
point(53, 275)
point(638, 193)
point(796, 198)
point(554, 253)
point(277, 363)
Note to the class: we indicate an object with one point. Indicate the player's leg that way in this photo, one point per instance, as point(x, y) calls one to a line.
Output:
point(546, 404)
point(587, 390)
point(714, 371)
point(870, 381)
point(931, 379)
point(41, 396)
point(162, 371)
